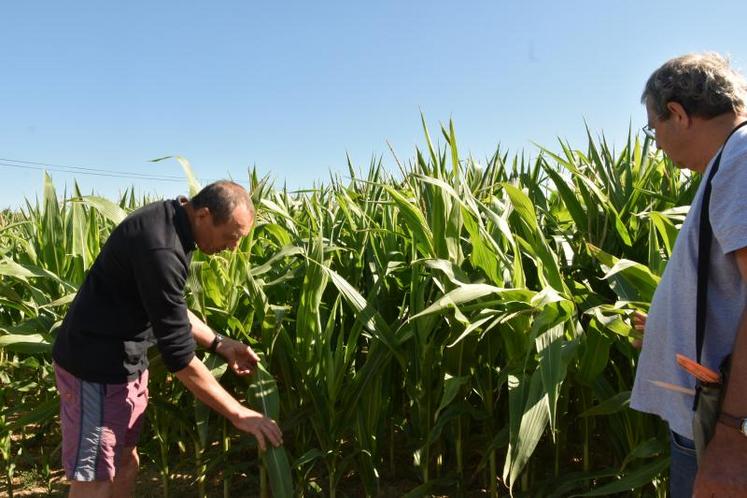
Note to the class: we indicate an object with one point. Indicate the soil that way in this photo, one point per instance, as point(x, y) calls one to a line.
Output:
point(27, 484)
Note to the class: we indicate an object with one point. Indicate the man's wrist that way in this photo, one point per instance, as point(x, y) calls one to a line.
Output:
point(738, 423)
point(241, 412)
point(217, 340)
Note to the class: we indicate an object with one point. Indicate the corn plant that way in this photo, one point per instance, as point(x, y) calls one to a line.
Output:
point(463, 324)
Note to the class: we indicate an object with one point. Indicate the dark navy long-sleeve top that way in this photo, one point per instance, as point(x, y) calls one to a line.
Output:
point(132, 298)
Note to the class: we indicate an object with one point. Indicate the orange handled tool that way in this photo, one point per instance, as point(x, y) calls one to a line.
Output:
point(703, 374)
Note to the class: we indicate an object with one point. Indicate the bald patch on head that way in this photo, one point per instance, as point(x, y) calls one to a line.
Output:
point(221, 198)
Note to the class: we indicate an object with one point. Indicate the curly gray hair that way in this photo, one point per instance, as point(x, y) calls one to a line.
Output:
point(705, 85)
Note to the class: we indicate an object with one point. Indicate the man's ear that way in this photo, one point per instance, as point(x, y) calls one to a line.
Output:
point(202, 214)
point(678, 113)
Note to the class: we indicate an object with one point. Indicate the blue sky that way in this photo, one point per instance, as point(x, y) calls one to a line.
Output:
point(291, 87)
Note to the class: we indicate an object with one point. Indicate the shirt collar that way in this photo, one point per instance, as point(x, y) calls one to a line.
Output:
point(181, 223)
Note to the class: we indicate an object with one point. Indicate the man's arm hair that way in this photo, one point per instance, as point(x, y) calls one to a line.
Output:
point(201, 332)
point(198, 379)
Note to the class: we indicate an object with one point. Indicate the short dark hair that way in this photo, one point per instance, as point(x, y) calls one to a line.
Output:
point(222, 198)
point(703, 84)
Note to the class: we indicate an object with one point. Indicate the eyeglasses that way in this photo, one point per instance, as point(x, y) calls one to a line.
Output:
point(649, 132)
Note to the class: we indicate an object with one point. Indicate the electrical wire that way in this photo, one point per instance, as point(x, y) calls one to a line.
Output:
point(79, 170)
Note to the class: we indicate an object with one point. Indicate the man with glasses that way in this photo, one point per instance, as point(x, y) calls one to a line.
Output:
point(693, 104)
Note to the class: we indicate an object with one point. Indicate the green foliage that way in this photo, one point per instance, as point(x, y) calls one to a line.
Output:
point(433, 327)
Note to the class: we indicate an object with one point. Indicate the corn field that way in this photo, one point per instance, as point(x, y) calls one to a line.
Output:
point(455, 329)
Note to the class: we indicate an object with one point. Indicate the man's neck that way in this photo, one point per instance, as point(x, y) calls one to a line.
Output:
point(711, 136)
point(190, 211)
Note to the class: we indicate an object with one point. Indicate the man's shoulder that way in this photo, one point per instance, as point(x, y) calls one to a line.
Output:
point(730, 182)
point(151, 226)
point(735, 150)
point(154, 210)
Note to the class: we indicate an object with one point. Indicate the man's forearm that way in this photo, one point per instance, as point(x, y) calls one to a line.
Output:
point(735, 401)
point(203, 385)
point(203, 334)
point(198, 379)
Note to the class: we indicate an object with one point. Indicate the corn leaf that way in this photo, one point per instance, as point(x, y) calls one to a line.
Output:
point(107, 208)
point(632, 479)
point(263, 394)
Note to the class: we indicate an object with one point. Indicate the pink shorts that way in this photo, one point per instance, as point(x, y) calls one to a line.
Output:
point(98, 421)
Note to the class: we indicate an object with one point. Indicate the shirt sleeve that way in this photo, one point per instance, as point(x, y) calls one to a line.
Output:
point(728, 207)
point(161, 277)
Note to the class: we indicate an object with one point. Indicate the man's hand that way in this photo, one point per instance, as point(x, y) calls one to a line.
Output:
point(240, 357)
point(721, 472)
point(260, 427)
point(197, 378)
point(639, 324)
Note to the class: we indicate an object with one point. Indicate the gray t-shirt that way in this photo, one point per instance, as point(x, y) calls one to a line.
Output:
point(670, 327)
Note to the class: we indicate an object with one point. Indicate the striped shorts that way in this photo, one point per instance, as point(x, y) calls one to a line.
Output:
point(98, 421)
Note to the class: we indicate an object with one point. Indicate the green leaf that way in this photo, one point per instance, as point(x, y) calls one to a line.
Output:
point(107, 208)
point(217, 368)
point(263, 394)
point(369, 316)
point(26, 344)
point(10, 268)
point(471, 328)
point(534, 241)
point(594, 356)
point(285, 252)
point(308, 457)
point(428, 488)
point(523, 206)
point(631, 281)
point(194, 185)
point(568, 195)
point(622, 231)
point(615, 404)
point(472, 292)
point(452, 385)
point(632, 480)
point(553, 366)
point(62, 301)
point(649, 448)
point(415, 222)
point(42, 413)
point(78, 228)
point(528, 405)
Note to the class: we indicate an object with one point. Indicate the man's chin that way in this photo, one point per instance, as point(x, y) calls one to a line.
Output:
point(208, 250)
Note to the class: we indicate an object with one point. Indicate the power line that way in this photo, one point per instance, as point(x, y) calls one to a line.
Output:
point(79, 170)
point(112, 175)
